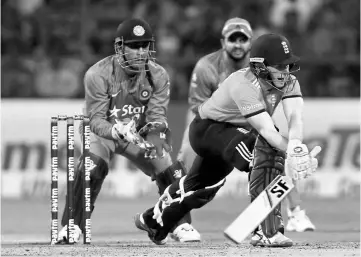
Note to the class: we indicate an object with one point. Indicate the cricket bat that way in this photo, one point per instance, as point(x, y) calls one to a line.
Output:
point(259, 209)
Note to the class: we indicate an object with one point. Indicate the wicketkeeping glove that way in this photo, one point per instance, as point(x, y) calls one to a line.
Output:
point(301, 163)
point(158, 135)
point(126, 131)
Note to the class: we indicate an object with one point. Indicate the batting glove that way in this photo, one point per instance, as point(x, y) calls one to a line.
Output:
point(300, 162)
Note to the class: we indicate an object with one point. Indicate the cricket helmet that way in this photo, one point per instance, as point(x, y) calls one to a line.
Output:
point(271, 50)
point(129, 33)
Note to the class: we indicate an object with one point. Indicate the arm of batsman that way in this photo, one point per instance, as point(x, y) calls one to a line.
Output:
point(301, 163)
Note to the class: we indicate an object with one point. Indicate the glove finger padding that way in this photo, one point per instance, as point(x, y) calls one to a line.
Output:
point(157, 134)
point(314, 162)
point(160, 143)
point(126, 131)
point(150, 154)
point(300, 163)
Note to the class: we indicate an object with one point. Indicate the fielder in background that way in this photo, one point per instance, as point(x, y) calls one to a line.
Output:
point(232, 122)
point(126, 99)
point(207, 75)
point(211, 70)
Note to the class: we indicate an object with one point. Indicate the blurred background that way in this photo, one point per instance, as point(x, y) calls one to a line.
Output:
point(47, 45)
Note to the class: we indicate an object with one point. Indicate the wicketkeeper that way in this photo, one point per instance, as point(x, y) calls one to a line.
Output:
point(236, 119)
point(126, 98)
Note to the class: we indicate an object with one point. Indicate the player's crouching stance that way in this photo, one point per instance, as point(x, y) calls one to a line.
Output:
point(126, 98)
point(235, 119)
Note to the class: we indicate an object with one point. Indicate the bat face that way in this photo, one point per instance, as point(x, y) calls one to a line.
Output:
point(259, 209)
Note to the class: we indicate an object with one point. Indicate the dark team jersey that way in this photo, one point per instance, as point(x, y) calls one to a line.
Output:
point(208, 73)
point(110, 93)
point(242, 95)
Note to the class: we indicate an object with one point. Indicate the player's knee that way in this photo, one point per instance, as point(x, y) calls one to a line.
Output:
point(189, 196)
point(200, 197)
point(239, 151)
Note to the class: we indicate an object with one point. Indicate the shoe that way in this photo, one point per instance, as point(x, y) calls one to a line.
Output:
point(298, 221)
point(278, 240)
point(63, 234)
point(140, 224)
point(185, 233)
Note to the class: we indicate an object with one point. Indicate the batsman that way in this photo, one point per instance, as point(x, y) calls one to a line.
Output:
point(126, 99)
point(235, 120)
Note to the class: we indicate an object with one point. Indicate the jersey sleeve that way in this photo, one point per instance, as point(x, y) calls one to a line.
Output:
point(158, 102)
point(246, 96)
point(202, 84)
point(96, 104)
point(294, 89)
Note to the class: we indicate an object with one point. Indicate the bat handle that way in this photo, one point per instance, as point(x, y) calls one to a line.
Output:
point(315, 151)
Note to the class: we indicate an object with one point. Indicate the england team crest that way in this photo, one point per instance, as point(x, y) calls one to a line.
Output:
point(138, 31)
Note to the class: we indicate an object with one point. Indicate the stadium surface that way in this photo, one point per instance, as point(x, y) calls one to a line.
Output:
point(25, 230)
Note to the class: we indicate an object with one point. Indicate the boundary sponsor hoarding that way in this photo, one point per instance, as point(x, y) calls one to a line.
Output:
point(333, 124)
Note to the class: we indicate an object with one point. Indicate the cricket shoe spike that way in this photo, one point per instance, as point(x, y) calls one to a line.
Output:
point(278, 240)
point(185, 233)
point(63, 235)
point(140, 224)
point(298, 221)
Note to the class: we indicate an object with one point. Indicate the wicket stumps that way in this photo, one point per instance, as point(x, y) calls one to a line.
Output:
point(70, 174)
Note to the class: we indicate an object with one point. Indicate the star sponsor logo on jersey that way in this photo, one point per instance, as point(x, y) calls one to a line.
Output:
point(130, 109)
point(114, 111)
point(127, 109)
point(250, 107)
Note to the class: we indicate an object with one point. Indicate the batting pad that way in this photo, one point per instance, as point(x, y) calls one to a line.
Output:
point(259, 209)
